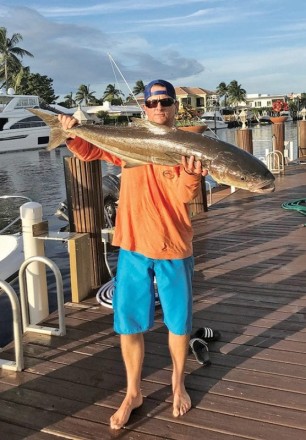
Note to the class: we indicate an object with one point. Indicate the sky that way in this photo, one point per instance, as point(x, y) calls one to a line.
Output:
point(192, 43)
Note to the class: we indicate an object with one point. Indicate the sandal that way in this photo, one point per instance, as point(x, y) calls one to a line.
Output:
point(207, 334)
point(200, 350)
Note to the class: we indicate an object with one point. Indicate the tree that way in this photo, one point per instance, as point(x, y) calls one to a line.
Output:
point(112, 94)
point(236, 93)
point(9, 56)
point(69, 100)
point(36, 84)
point(84, 95)
point(222, 90)
point(139, 87)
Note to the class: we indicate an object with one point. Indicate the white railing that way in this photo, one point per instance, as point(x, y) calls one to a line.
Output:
point(61, 330)
point(18, 365)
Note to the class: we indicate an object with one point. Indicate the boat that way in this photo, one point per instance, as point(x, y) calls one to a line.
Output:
point(11, 256)
point(11, 246)
point(20, 129)
point(264, 120)
point(287, 114)
point(214, 120)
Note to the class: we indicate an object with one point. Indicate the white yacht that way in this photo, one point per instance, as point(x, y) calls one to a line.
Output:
point(11, 244)
point(214, 120)
point(287, 114)
point(20, 129)
point(11, 255)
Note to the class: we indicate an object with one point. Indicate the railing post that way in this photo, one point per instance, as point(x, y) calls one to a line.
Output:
point(18, 365)
point(31, 214)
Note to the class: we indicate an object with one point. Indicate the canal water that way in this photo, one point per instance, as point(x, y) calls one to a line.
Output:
point(39, 175)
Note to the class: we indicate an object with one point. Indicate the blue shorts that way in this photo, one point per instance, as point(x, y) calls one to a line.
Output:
point(134, 294)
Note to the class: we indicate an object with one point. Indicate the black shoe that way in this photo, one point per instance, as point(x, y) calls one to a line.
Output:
point(207, 334)
point(200, 350)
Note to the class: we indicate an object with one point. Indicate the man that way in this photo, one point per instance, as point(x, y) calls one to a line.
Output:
point(153, 231)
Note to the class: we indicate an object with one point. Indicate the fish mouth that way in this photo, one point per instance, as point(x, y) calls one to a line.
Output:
point(267, 187)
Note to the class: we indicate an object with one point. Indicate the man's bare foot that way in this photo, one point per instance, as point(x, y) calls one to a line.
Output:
point(122, 415)
point(181, 403)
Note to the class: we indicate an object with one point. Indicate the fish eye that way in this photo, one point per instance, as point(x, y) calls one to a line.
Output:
point(242, 178)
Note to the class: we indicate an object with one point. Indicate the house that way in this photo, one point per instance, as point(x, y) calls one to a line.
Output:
point(196, 97)
point(259, 100)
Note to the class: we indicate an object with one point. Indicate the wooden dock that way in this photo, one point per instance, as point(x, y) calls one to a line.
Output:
point(250, 284)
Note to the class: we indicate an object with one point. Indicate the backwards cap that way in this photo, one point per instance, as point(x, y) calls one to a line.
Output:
point(169, 89)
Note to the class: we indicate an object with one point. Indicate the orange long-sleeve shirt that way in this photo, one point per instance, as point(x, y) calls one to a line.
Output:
point(153, 216)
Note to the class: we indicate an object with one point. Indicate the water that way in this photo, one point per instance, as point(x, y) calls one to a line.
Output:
point(40, 176)
point(262, 137)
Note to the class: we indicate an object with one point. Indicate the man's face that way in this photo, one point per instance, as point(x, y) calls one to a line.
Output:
point(160, 114)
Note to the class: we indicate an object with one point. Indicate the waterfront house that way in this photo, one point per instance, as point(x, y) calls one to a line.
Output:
point(196, 97)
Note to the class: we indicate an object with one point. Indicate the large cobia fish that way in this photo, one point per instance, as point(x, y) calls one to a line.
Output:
point(145, 142)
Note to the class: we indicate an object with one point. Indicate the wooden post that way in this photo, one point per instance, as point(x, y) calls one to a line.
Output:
point(85, 210)
point(278, 130)
point(80, 267)
point(244, 139)
point(302, 139)
point(199, 203)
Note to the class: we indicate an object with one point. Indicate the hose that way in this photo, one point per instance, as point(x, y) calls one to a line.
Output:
point(104, 295)
point(298, 205)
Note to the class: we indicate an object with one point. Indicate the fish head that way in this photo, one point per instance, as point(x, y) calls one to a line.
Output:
point(243, 171)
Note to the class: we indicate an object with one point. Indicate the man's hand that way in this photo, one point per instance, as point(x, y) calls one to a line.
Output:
point(193, 167)
point(67, 122)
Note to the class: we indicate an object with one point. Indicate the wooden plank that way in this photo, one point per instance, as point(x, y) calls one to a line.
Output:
point(14, 432)
point(249, 284)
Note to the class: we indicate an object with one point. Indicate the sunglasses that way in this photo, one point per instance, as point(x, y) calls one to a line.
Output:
point(165, 102)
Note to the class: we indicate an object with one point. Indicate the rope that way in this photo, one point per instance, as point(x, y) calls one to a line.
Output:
point(298, 205)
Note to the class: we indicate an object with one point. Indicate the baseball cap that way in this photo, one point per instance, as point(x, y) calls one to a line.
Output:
point(170, 91)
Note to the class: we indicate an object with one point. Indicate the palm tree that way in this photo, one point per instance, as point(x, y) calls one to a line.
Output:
point(18, 77)
point(236, 93)
point(112, 94)
point(10, 54)
point(139, 87)
point(83, 95)
point(222, 90)
point(69, 100)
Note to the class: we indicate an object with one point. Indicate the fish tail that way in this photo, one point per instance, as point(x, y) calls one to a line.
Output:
point(58, 136)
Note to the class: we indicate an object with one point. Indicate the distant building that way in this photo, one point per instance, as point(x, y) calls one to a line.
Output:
point(260, 100)
point(196, 97)
point(128, 110)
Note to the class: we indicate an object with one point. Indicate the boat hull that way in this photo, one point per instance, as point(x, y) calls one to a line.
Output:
point(11, 255)
point(24, 139)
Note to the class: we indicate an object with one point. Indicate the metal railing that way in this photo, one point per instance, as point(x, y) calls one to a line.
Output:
point(61, 330)
point(18, 365)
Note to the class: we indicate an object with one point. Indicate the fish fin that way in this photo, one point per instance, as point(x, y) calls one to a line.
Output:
point(152, 126)
point(58, 136)
point(130, 163)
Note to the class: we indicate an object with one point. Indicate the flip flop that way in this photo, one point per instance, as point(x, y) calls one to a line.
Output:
point(200, 350)
point(207, 334)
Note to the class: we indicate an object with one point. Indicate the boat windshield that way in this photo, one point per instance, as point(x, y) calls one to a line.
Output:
point(18, 102)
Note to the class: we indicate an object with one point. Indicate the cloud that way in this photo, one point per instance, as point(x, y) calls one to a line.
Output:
point(73, 54)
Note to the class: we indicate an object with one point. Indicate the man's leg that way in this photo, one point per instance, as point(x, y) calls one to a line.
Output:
point(178, 346)
point(132, 347)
